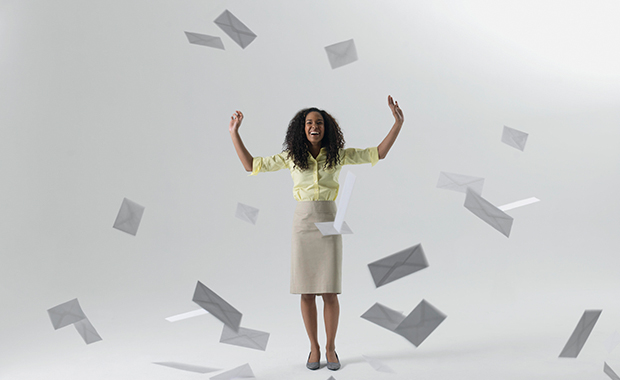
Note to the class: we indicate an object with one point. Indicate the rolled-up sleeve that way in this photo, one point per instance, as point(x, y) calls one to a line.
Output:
point(353, 156)
point(269, 164)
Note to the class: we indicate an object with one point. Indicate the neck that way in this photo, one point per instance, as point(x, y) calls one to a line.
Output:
point(314, 149)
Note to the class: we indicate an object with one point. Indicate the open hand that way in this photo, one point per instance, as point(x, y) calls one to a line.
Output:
point(396, 111)
point(235, 121)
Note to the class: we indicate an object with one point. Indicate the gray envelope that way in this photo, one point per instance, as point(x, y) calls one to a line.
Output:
point(129, 216)
point(66, 314)
point(514, 138)
point(245, 338)
point(459, 182)
point(420, 323)
point(247, 213)
point(331, 378)
point(341, 53)
point(483, 209)
point(187, 367)
point(581, 333)
point(235, 29)
point(87, 331)
point(610, 372)
point(383, 316)
point(241, 372)
point(214, 304)
point(398, 265)
point(205, 40)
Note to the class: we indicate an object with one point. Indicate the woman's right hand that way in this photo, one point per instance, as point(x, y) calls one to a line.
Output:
point(235, 122)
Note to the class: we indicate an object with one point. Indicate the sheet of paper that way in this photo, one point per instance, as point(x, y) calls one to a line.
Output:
point(246, 213)
point(384, 316)
point(378, 365)
point(483, 209)
point(514, 138)
point(245, 338)
point(341, 53)
point(328, 229)
point(241, 372)
point(581, 333)
point(187, 367)
point(129, 217)
point(520, 203)
point(459, 182)
point(420, 323)
point(205, 40)
point(343, 203)
point(189, 314)
point(339, 226)
point(610, 372)
point(87, 331)
point(612, 342)
point(398, 265)
point(214, 304)
point(66, 314)
point(235, 29)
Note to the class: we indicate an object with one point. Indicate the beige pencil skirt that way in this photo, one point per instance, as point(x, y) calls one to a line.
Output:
point(316, 260)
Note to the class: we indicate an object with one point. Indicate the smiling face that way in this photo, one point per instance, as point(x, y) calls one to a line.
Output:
point(315, 127)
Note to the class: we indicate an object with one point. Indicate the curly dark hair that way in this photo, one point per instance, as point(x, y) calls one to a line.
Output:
point(296, 142)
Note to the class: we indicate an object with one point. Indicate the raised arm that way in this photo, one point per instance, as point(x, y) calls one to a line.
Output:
point(245, 156)
point(399, 118)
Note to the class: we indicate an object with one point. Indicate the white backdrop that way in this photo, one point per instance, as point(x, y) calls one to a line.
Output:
point(105, 100)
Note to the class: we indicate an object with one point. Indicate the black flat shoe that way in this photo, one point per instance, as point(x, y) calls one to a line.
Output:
point(314, 365)
point(334, 366)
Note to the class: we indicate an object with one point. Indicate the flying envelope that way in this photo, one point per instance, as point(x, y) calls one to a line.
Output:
point(459, 182)
point(247, 213)
point(66, 314)
point(398, 265)
point(483, 209)
point(187, 367)
point(610, 372)
point(245, 338)
point(87, 331)
point(129, 217)
point(205, 40)
point(341, 53)
point(214, 304)
point(384, 316)
point(235, 29)
point(420, 323)
point(581, 333)
point(514, 138)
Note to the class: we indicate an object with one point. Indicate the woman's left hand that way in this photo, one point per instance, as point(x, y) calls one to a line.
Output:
point(396, 111)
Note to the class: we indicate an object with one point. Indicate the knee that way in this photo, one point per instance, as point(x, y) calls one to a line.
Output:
point(330, 298)
point(308, 298)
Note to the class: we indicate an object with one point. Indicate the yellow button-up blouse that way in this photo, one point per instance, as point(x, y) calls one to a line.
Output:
point(316, 183)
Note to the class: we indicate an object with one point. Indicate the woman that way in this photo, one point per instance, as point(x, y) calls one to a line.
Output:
point(314, 153)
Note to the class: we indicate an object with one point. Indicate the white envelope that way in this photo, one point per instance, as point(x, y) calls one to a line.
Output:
point(66, 314)
point(483, 209)
point(241, 372)
point(341, 53)
point(581, 333)
point(398, 265)
point(384, 316)
point(245, 338)
point(235, 29)
point(87, 331)
point(514, 138)
point(459, 182)
point(205, 40)
point(610, 372)
point(214, 304)
point(420, 323)
point(247, 213)
point(328, 228)
point(129, 217)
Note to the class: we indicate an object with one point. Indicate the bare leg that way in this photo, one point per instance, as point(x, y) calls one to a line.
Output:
point(331, 312)
point(308, 311)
